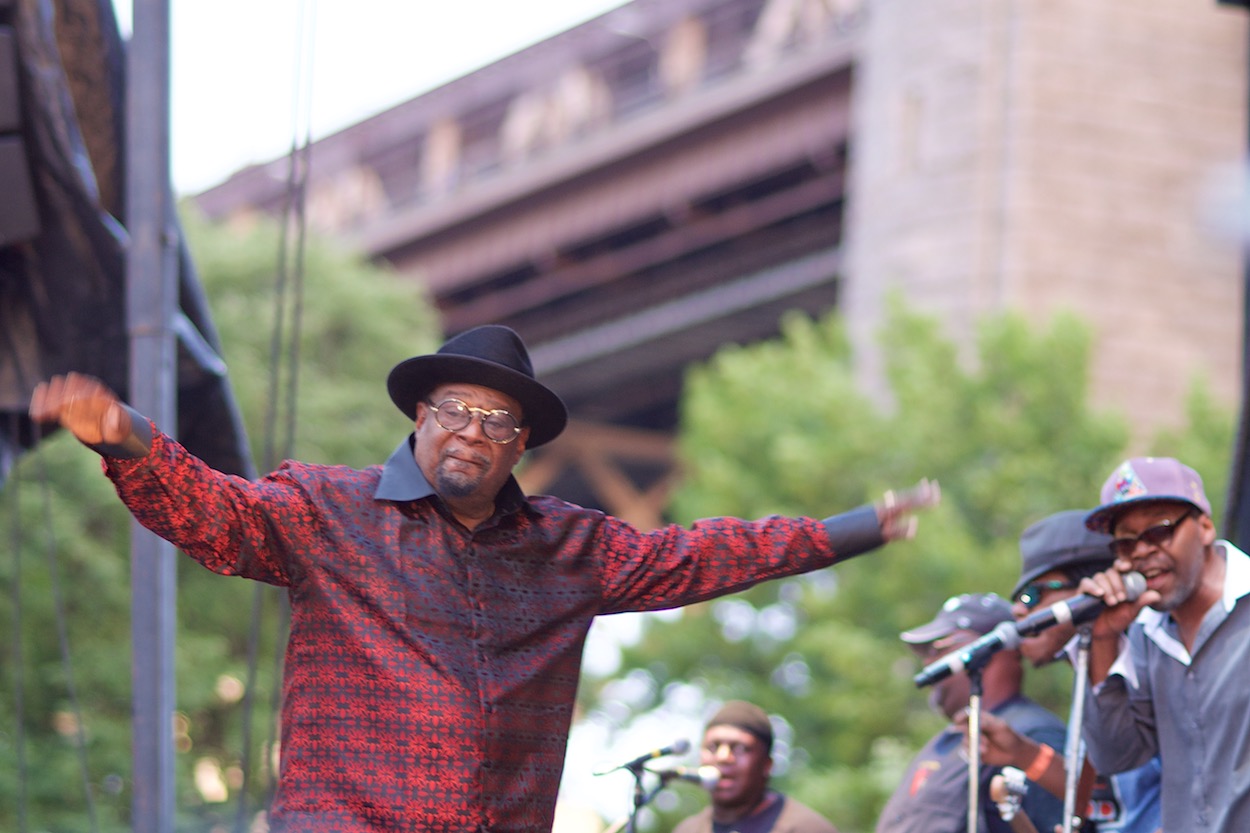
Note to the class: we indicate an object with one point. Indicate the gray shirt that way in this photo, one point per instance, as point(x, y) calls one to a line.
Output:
point(1193, 710)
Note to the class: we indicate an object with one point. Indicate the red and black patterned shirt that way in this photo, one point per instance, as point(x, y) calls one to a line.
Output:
point(431, 670)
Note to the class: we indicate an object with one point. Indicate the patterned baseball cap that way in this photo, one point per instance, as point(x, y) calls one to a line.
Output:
point(1147, 479)
point(977, 612)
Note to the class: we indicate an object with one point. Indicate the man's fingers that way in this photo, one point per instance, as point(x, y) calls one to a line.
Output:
point(116, 423)
point(895, 511)
point(82, 405)
point(924, 495)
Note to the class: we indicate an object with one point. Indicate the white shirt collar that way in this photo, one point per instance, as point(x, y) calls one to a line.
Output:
point(1236, 585)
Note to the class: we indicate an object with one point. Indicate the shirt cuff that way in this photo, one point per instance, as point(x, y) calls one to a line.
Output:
point(134, 447)
point(855, 532)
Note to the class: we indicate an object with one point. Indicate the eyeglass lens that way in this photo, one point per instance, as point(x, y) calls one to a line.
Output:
point(1155, 536)
point(453, 415)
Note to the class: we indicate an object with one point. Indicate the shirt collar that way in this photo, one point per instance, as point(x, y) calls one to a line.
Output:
point(1236, 585)
point(403, 480)
point(1236, 575)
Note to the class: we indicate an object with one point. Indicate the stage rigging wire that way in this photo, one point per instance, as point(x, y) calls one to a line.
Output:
point(62, 632)
point(52, 561)
point(288, 281)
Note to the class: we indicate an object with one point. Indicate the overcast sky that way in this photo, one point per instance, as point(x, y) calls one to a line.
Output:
point(235, 65)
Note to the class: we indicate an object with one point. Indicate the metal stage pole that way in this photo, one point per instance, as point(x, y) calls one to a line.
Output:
point(151, 299)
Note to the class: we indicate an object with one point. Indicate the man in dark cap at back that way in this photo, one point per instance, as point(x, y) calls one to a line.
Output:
point(1056, 553)
point(738, 742)
point(933, 794)
point(438, 614)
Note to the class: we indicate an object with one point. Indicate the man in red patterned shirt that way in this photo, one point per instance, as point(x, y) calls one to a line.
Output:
point(438, 614)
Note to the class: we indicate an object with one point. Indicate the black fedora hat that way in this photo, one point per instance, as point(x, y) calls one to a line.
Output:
point(492, 356)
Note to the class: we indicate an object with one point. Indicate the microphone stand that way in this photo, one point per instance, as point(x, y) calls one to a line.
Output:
point(1075, 752)
point(641, 796)
point(974, 749)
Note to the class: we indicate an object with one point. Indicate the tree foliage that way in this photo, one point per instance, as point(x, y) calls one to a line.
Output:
point(354, 322)
point(778, 427)
point(784, 427)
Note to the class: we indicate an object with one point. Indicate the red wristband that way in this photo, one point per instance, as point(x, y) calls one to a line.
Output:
point(1041, 763)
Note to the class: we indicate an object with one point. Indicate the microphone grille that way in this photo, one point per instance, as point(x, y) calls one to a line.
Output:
point(708, 776)
point(1134, 585)
point(680, 747)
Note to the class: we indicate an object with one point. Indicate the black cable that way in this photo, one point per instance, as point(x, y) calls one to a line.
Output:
point(287, 279)
point(62, 637)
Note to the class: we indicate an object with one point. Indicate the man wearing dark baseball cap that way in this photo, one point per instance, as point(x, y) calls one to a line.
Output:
point(933, 794)
point(438, 614)
point(1170, 672)
point(1056, 553)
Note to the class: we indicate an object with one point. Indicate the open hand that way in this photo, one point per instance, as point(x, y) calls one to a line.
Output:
point(82, 405)
point(896, 510)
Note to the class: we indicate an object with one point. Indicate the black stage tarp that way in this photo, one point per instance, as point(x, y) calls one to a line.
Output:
point(62, 242)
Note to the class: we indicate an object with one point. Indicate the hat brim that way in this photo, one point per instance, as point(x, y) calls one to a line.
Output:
point(1103, 518)
point(928, 632)
point(411, 380)
point(1065, 562)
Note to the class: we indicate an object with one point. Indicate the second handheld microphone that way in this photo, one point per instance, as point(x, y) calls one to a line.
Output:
point(1076, 610)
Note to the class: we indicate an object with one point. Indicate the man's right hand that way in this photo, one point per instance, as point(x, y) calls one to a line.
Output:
point(896, 510)
point(1120, 613)
point(1000, 745)
point(82, 405)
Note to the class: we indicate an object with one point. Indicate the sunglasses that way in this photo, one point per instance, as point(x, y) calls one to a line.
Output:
point(1030, 595)
point(1154, 536)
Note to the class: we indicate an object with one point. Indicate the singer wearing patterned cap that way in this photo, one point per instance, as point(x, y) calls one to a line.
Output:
point(1170, 671)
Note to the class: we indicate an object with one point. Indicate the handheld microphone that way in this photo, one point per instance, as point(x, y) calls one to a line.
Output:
point(973, 655)
point(1078, 609)
point(677, 747)
point(705, 776)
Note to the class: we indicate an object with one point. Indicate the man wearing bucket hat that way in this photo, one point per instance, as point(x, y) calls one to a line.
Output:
point(438, 614)
point(1056, 553)
point(738, 743)
point(1168, 670)
point(933, 794)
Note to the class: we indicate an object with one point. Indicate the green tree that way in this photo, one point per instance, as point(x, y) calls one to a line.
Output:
point(782, 427)
point(356, 321)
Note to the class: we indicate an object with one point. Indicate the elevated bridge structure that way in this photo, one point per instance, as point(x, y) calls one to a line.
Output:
point(629, 195)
